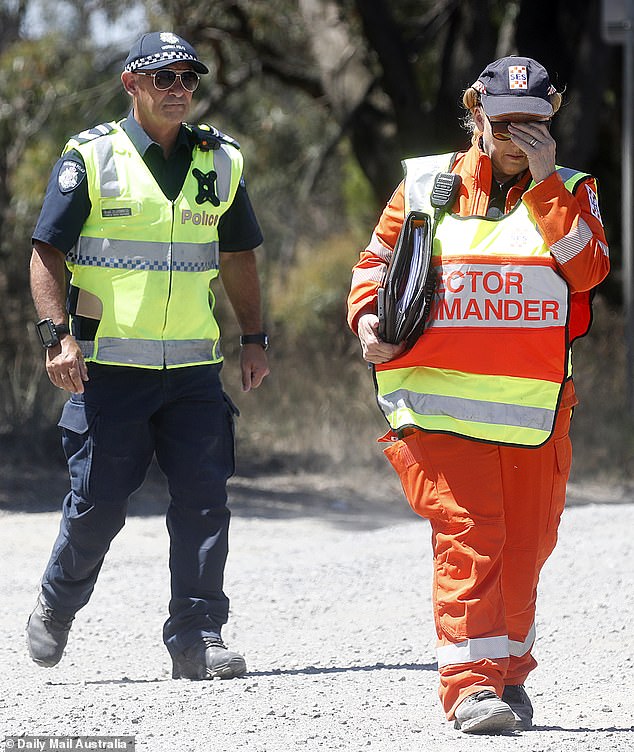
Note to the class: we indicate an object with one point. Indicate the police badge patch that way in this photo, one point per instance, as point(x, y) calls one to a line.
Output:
point(70, 175)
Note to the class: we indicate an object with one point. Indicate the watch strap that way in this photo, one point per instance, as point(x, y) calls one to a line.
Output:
point(261, 338)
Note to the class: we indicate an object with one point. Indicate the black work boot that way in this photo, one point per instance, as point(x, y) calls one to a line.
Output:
point(515, 696)
point(47, 634)
point(208, 659)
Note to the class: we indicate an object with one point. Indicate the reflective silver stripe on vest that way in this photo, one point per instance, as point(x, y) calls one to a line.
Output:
point(418, 194)
point(145, 256)
point(151, 353)
point(222, 165)
point(108, 178)
point(476, 411)
point(565, 173)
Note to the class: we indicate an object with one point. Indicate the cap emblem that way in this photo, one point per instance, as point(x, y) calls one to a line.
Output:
point(518, 77)
point(169, 38)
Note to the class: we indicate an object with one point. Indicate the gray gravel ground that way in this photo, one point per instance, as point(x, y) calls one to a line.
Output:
point(331, 607)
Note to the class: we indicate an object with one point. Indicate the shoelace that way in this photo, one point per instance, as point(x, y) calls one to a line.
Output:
point(485, 694)
point(214, 642)
point(52, 618)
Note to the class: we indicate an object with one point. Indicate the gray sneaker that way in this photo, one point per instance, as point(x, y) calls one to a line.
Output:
point(484, 713)
point(208, 659)
point(515, 696)
point(47, 634)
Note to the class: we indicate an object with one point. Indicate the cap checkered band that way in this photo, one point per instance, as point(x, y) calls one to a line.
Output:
point(158, 57)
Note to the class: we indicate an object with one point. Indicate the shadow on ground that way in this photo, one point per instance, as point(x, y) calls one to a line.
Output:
point(260, 490)
point(272, 490)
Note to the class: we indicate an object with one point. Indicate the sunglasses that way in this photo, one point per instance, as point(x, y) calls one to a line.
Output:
point(165, 78)
point(500, 128)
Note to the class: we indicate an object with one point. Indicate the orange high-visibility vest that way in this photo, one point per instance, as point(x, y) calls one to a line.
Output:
point(492, 363)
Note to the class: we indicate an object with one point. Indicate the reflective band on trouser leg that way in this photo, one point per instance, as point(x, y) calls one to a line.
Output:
point(475, 649)
point(478, 648)
point(519, 649)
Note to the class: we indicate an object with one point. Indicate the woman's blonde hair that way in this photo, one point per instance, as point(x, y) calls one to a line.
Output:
point(471, 99)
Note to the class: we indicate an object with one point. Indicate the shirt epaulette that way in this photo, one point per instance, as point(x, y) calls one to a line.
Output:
point(99, 130)
point(207, 137)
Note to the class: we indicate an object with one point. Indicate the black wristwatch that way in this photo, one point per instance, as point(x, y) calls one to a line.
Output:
point(50, 333)
point(261, 338)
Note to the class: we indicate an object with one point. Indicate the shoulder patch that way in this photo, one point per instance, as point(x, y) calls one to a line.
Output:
point(594, 203)
point(70, 175)
point(208, 137)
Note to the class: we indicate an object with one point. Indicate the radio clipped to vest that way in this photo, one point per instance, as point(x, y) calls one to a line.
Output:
point(404, 299)
point(445, 191)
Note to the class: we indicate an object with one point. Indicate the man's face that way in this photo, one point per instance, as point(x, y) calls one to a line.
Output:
point(157, 107)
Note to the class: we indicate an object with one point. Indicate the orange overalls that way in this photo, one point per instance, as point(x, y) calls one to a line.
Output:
point(494, 509)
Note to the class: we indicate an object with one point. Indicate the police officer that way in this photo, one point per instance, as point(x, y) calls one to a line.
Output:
point(145, 213)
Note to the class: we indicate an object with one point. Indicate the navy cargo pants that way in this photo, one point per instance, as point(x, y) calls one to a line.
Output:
point(110, 434)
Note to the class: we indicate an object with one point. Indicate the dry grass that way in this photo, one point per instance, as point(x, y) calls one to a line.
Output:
point(317, 412)
point(602, 431)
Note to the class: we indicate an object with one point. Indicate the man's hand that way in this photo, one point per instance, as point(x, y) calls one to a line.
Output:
point(254, 366)
point(65, 365)
point(239, 275)
point(374, 349)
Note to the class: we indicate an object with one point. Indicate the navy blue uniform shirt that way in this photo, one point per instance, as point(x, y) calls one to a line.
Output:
point(67, 205)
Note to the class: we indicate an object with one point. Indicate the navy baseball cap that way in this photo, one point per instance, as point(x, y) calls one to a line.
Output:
point(160, 48)
point(515, 84)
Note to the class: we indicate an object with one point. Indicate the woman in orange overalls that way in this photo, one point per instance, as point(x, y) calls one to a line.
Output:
point(489, 467)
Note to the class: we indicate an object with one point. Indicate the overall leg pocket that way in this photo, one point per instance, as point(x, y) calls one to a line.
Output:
point(561, 471)
point(408, 458)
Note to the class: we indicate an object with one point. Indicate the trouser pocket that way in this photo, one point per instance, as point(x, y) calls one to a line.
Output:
point(78, 422)
point(408, 458)
point(232, 414)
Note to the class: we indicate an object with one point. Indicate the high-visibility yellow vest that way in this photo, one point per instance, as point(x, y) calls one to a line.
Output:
point(492, 363)
point(149, 260)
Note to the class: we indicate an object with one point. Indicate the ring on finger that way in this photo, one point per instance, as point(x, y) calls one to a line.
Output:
point(533, 142)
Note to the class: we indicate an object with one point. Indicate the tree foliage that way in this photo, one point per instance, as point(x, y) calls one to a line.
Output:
point(326, 98)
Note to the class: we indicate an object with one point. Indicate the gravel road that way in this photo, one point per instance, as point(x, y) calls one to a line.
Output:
point(331, 607)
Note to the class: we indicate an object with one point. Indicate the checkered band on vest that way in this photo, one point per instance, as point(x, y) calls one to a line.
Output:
point(168, 57)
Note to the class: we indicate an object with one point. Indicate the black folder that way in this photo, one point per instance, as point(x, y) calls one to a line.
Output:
point(405, 297)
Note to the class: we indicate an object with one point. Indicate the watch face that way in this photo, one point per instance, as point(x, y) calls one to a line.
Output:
point(47, 334)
